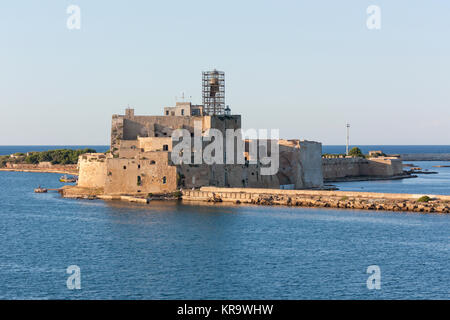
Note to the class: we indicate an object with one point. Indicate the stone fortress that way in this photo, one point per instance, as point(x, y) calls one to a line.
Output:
point(140, 162)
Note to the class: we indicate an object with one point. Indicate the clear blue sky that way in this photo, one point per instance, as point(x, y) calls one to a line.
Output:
point(306, 67)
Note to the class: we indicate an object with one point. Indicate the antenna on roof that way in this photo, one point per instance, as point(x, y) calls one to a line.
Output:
point(183, 97)
point(348, 138)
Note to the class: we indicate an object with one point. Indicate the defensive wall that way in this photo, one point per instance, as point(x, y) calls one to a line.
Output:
point(148, 173)
point(130, 126)
point(336, 169)
point(135, 169)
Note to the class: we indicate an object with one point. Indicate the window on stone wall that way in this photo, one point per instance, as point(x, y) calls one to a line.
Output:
point(165, 147)
point(152, 162)
point(139, 180)
point(167, 113)
point(164, 180)
point(139, 166)
point(182, 112)
point(124, 167)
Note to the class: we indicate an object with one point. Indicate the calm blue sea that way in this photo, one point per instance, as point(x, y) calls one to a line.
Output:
point(423, 184)
point(169, 250)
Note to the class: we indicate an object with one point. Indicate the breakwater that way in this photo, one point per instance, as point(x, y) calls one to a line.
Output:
point(71, 169)
point(301, 198)
point(425, 157)
point(324, 199)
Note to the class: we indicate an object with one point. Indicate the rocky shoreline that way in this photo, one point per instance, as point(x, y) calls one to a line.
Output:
point(325, 199)
point(71, 172)
point(270, 197)
point(355, 203)
point(371, 178)
point(61, 169)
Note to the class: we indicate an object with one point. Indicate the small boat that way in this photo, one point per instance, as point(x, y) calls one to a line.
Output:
point(67, 179)
point(40, 190)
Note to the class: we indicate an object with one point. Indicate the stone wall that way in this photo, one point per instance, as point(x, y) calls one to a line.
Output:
point(195, 176)
point(92, 170)
point(310, 165)
point(300, 164)
point(150, 173)
point(337, 168)
point(383, 167)
point(144, 175)
point(341, 168)
point(136, 137)
point(155, 144)
point(130, 127)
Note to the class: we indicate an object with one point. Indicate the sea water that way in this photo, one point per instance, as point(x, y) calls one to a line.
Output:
point(169, 250)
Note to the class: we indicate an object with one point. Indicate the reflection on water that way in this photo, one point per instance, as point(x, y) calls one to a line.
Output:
point(211, 251)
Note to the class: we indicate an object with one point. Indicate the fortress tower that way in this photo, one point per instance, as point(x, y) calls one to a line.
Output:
point(213, 90)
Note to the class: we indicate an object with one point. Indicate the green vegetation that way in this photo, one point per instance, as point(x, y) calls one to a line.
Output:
point(177, 194)
point(3, 161)
point(424, 199)
point(356, 152)
point(59, 156)
point(379, 154)
point(332, 155)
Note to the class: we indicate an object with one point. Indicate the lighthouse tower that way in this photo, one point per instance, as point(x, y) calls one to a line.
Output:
point(213, 91)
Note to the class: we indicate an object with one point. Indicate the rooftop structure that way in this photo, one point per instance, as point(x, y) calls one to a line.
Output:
point(213, 90)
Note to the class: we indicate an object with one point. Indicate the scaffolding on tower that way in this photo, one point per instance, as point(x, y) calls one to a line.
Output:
point(213, 92)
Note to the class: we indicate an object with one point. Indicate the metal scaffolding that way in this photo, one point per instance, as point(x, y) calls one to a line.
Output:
point(213, 91)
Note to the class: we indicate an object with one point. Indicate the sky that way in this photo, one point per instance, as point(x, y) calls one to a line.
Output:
point(303, 67)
